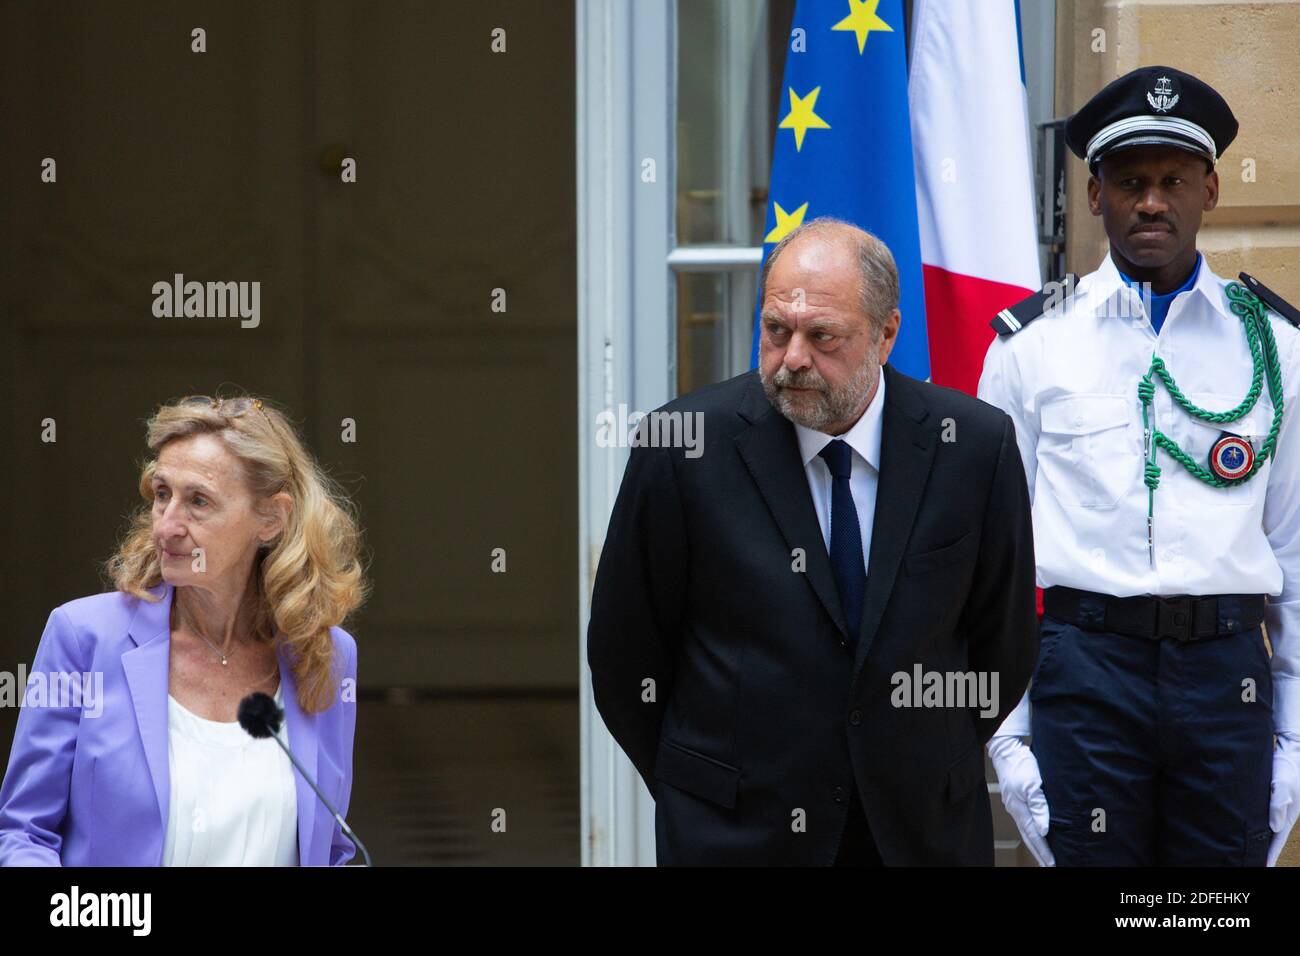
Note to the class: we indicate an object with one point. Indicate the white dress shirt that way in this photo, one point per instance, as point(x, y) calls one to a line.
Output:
point(233, 799)
point(1069, 382)
point(864, 440)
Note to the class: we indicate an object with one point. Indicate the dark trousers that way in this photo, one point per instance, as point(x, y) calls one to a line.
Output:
point(1154, 752)
point(857, 847)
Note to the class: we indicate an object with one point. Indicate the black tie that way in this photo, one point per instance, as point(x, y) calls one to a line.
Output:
point(847, 564)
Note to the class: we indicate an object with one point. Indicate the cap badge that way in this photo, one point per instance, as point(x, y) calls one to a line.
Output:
point(1163, 98)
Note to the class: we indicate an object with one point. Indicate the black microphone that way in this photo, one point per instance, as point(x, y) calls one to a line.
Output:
point(260, 716)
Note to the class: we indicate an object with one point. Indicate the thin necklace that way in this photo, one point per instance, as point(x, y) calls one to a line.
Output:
point(216, 650)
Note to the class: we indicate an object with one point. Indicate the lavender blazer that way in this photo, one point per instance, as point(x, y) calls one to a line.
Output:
point(85, 790)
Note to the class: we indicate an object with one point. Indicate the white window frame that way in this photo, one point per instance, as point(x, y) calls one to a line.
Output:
point(626, 98)
point(626, 343)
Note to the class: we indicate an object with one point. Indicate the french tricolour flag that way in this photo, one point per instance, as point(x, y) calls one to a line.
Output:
point(974, 179)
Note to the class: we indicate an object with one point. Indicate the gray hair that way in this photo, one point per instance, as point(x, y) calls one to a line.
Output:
point(877, 273)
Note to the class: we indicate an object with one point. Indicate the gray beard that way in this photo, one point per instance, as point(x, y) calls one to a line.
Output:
point(831, 406)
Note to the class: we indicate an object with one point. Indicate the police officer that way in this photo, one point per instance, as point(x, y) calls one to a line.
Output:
point(1156, 409)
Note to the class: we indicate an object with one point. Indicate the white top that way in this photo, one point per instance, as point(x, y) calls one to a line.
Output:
point(233, 800)
point(864, 439)
point(1069, 382)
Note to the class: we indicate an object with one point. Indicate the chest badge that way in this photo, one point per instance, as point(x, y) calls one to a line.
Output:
point(1231, 457)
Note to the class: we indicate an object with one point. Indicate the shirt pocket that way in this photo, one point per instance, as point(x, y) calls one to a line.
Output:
point(1196, 437)
point(1089, 449)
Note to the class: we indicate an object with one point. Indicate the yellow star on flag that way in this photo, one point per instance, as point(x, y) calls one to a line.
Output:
point(801, 117)
point(785, 222)
point(862, 20)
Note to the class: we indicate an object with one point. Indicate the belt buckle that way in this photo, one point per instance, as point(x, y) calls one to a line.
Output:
point(1174, 618)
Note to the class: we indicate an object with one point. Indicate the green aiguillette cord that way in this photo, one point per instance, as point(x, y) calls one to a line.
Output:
point(1263, 356)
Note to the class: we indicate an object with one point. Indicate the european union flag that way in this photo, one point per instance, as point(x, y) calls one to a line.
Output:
point(844, 145)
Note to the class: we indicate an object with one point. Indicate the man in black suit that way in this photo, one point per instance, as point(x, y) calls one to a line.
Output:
point(771, 605)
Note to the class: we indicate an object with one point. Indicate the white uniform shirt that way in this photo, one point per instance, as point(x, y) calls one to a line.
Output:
point(864, 440)
point(233, 799)
point(1069, 382)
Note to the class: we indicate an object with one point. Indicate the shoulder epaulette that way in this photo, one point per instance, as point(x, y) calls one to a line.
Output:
point(1271, 299)
point(1014, 318)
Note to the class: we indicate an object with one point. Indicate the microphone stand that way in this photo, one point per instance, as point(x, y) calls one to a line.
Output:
point(347, 830)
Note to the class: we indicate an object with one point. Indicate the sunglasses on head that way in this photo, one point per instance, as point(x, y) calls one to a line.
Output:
point(231, 407)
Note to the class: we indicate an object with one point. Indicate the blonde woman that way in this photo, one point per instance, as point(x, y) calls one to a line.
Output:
point(233, 578)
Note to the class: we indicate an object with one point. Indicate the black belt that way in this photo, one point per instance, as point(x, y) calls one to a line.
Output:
point(1182, 617)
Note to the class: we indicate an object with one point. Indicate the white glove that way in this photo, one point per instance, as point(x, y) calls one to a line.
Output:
point(1021, 786)
point(1284, 794)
